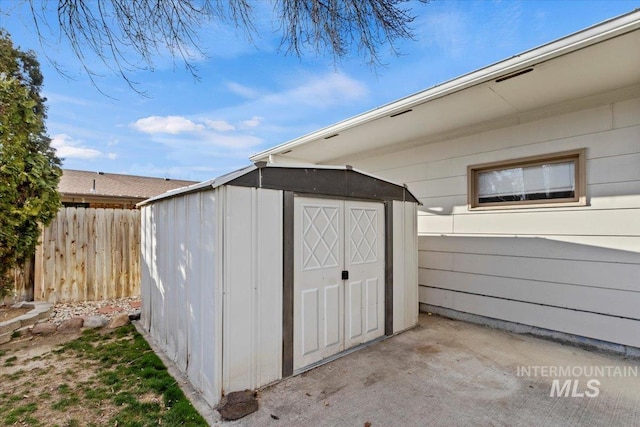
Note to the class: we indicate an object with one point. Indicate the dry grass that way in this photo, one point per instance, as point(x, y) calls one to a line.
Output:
point(94, 379)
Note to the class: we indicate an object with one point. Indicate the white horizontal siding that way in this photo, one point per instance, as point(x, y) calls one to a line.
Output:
point(571, 269)
point(599, 144)
point(535, 247)
point(611, 222)
point(584, 125)
point(607, 275)
point(606, 328)
point(622, 303)
point(626, 113)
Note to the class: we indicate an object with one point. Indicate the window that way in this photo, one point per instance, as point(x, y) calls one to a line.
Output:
point(554, 179)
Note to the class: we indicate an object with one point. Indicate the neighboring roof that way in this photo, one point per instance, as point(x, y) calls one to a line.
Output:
point(341, 181)
point(581, 66)
point(92, 184)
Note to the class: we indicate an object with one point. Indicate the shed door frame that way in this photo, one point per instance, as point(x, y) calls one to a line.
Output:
point(288, 272)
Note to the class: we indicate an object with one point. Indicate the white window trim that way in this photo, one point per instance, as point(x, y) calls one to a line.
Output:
point(579, 156)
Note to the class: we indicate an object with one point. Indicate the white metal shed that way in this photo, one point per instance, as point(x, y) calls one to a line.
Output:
point(270, 270)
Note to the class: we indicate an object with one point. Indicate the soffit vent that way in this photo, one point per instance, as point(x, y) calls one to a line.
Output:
point(512, 75)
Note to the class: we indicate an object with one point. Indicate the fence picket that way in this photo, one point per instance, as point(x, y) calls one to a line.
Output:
point(86, 254)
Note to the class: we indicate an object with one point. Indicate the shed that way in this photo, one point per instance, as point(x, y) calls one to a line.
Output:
point(270, 270)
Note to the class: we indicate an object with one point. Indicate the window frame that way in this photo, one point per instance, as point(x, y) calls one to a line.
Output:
point(577, 156)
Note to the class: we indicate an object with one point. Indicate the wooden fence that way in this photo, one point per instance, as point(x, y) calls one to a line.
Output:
point(22, 284)
point(88, 254)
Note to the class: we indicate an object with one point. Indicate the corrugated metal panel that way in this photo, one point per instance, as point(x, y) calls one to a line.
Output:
point(210, 282)
point(252, 337)
point(193, 305)
point(411, 306)
point(269, 319)
point(405, 266)
point(180, 292)
point(146, 248)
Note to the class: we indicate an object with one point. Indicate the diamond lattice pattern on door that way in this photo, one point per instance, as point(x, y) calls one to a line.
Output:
point(320, 237)
point(363, 236)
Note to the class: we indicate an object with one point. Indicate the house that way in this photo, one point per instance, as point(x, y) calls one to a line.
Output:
point(88, 189)
point(528, 171)
point(268, 271)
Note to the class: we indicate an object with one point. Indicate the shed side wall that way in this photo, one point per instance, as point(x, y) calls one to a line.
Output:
point(252, 287)
point(570, 269)
point(405, 266)
point(181, 302)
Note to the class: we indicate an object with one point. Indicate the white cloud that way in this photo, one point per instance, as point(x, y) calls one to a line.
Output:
point(112, 156)
point(253, 122)
point(219, 125)
point(233, 141)
point(324, 91)
point(199, 134)
point(242, 90)
point(168, 124)
point(67, 147)
point(447, 30)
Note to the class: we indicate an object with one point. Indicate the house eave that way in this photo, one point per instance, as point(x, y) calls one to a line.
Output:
point(583, 39)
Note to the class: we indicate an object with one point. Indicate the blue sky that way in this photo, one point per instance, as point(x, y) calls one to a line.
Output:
point(251, 96)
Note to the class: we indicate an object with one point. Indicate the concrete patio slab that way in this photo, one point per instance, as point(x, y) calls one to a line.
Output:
point(447, 372)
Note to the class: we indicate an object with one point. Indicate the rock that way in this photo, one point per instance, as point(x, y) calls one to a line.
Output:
point(95, 322)
point(237, 405)
point(135, 315)
point(72, 325)
point(135, 304)
point(44, 328)
point(22, 304)
point(120, 320)
point(108, 310)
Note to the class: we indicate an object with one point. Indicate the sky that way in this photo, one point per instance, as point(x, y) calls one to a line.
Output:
point(251, 95)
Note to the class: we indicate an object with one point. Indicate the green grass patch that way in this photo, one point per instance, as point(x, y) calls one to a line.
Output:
point(10, 361)
point(126, 369)
point(102, 370)
point(22, 414)
point(65, 403)
point(16, 375)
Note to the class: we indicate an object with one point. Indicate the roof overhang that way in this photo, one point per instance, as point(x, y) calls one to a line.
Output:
point(582, 68)
point(65, 197)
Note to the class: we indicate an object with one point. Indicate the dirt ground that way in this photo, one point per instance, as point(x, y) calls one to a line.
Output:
point(30, 370)
point(104, 377)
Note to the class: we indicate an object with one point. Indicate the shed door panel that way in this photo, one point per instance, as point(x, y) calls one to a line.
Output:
point(318, 297)
point(364, 259)
point(331, 314)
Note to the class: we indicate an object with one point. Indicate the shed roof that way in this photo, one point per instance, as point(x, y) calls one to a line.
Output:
point(577, 68)
point(77, 182)
point(338, 181)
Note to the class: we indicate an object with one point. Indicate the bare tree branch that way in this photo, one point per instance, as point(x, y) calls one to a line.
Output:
point(128, 35)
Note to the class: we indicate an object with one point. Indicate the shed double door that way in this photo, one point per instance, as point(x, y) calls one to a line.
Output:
point(336, 239)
